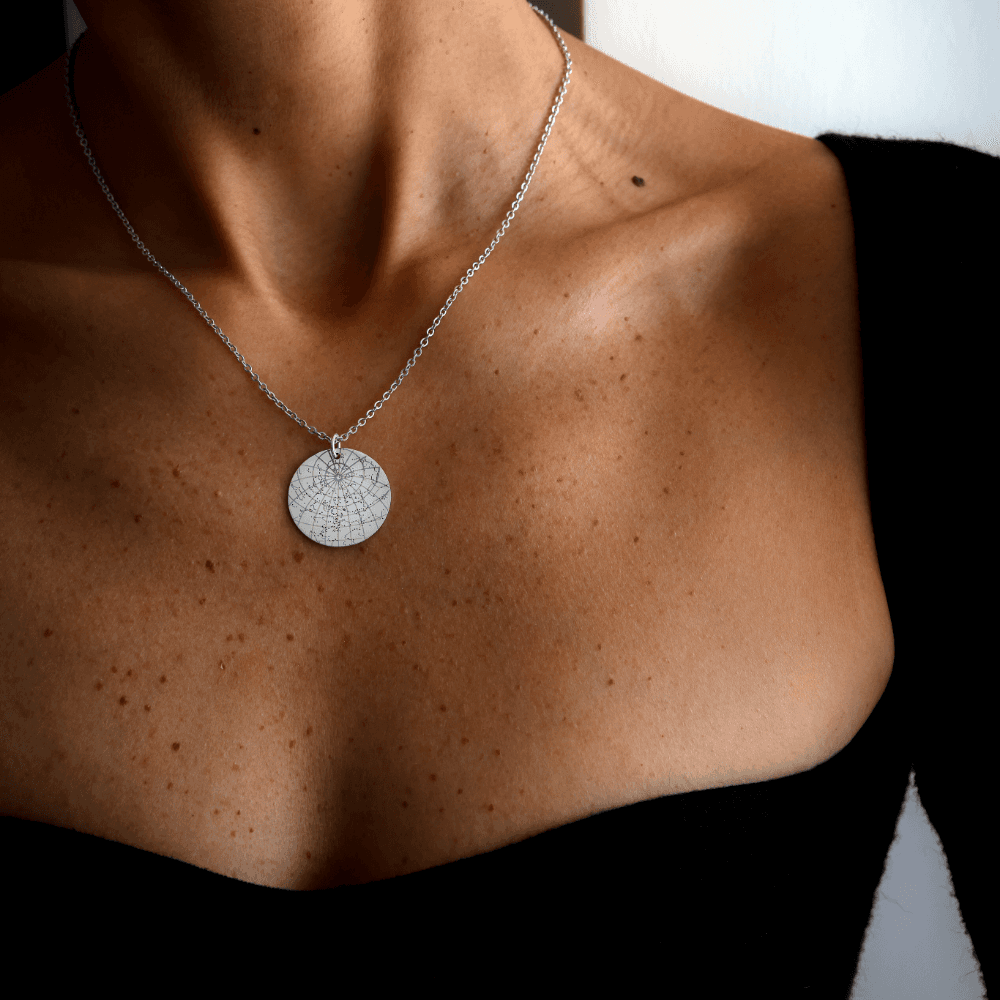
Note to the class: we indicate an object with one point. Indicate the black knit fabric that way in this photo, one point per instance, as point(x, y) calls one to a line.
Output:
point(761, 887)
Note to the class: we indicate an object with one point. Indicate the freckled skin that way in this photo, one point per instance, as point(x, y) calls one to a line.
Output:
point(629, 551)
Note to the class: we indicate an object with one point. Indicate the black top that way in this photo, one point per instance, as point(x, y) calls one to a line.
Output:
point(758, 887)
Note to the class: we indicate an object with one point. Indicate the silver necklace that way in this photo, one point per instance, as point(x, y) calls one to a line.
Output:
point(339, 496)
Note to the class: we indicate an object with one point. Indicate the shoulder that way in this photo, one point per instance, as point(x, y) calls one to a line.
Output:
point(646, 153)
point(739, 231)
point(746, 233)
point(618, 114)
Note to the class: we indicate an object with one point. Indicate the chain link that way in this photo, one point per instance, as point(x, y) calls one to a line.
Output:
point(336, 440)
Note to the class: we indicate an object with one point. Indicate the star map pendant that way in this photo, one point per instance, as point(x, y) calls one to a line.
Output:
point(339, 502)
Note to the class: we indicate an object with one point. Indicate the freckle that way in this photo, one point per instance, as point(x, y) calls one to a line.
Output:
point(256, 131)
point(636, 538)
point(122, 701)
point(98, 685)
point(308, 855)
point(405, 804)
point(598, 645)
point(47, 632)
point(453, 603)
point(145, 708)
point(163, 678)
point(138, 518)
point(177, 473)
point(291, 743)
point(114, 482)
point(444, 708)
point(497, 752)
point(170, 785)
point(489, 808)
point(298, 556)
point(565, 295)
point(638, 182)
point(289, 637)
point(319, 587)
point(209, 566)
point(434, 777)
point(229, 638)
point(251, 829)
point(175, 746)
point(610, 680)
point(465, 739)
point(496, 371)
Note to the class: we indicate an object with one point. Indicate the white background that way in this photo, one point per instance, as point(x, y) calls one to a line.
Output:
point(917, 69)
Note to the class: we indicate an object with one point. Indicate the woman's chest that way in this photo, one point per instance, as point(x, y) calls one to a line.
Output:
point(545, 626)
point(628, 554)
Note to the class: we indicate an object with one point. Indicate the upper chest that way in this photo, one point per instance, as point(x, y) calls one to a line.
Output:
point(628, 554)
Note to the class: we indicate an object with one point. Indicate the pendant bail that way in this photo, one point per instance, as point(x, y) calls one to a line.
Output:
point(335, 447)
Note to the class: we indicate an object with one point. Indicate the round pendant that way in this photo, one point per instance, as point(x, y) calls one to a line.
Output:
point(339, 503)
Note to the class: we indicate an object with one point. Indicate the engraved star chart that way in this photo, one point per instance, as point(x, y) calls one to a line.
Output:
point(339, 503)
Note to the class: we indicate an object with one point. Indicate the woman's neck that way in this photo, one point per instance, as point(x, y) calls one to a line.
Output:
point(304, 146)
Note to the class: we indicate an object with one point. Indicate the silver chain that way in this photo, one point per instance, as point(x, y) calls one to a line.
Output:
point(337, 438)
